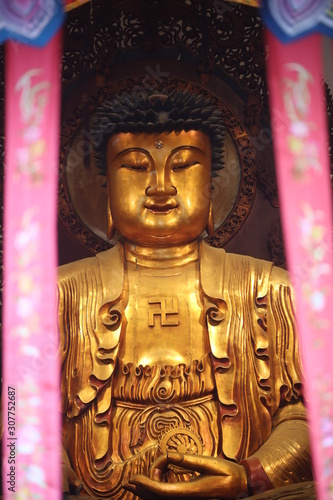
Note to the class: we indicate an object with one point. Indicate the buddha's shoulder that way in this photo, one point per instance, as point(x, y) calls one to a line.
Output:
point(263, 267)
point(110, 259)
point(219, 259)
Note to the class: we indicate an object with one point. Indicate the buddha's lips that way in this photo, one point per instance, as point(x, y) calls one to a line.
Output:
point(161, 208)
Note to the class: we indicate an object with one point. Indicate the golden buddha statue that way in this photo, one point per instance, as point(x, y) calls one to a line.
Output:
point(180, 364)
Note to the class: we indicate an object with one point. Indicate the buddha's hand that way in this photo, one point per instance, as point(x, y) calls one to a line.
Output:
point(218, 479)
point(70, 482)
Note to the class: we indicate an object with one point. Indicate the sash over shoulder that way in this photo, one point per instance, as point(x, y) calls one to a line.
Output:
point(255, 355)
point(89, 351)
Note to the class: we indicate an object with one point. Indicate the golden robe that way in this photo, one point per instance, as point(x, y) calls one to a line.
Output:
point(233, 400)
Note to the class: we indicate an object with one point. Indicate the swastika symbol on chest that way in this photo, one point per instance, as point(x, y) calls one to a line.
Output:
point(168, 311)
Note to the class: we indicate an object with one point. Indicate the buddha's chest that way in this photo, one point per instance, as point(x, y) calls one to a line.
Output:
point(164, 316)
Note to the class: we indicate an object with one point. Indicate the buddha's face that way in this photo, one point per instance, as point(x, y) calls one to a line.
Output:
point(159, 186)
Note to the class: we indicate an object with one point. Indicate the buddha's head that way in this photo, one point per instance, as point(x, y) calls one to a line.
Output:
point(159, 153)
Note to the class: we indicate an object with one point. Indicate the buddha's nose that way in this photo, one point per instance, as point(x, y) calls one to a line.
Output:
point(160, 184)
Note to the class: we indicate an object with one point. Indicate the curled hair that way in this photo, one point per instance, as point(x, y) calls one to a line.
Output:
point(155, 113)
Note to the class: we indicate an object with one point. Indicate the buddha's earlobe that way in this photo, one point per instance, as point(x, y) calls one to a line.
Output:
point(110, 226)
point(210, 223)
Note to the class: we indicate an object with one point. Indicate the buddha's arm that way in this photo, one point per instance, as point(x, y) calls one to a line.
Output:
point(88, 340)
point(285, 457)
point(67, 295)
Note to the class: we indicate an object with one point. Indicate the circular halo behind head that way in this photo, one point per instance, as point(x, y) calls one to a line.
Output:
point(234, 168)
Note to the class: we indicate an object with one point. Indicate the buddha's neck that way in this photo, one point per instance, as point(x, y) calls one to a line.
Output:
point(161, 257)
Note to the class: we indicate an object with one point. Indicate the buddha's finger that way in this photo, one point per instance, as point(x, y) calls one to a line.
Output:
point(139, 491)
point(148, 489)
point(199, 463)
point(158, 468)
point(202, 487)
point(75, 485)
point(70, 482)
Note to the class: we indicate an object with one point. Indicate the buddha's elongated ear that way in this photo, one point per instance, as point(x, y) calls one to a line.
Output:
point(110, 226)
point(210, 223)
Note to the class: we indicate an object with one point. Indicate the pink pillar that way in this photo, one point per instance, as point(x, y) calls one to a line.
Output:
point(301, 151)
point(30, 396)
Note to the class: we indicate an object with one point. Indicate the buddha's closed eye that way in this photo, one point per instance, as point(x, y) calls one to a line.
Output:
point(185, 166)
point(140, 168)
